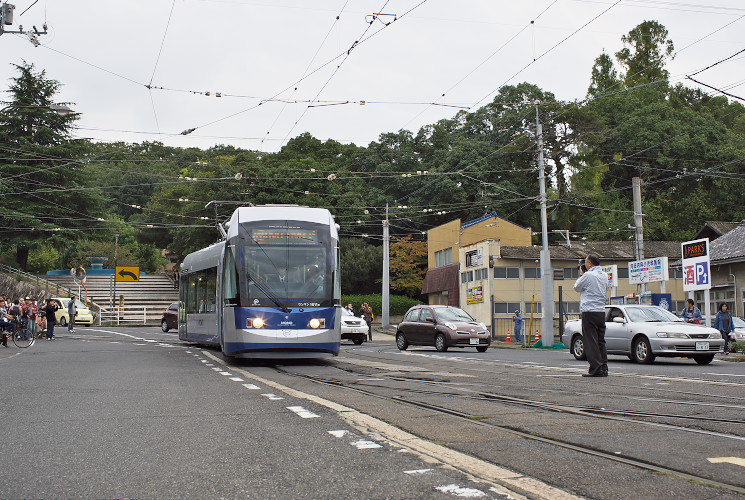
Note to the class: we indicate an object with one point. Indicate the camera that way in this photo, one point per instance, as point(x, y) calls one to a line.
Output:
point(582, 268)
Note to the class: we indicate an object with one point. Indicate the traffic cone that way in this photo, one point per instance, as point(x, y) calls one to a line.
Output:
point(537, 337)
point(509, 338)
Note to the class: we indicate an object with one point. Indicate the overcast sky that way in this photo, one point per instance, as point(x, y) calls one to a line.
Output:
point(107, 53)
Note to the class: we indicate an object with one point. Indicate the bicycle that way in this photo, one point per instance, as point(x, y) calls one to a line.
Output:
point(22, 336)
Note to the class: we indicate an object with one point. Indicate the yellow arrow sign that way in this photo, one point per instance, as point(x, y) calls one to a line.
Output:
point(729, 460)
point(127, 273)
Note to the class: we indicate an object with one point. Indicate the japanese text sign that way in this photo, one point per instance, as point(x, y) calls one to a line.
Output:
point(696, 274)
point(648, 271)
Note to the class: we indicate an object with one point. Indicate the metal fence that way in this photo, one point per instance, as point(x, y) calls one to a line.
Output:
point(504, 326)
point(50, 286)
point(129, 315)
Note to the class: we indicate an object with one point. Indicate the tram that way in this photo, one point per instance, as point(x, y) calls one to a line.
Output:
point(269, 289)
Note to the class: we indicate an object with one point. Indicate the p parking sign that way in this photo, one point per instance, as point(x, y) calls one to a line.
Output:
point(696, 266)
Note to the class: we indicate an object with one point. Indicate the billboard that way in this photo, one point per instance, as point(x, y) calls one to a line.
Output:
point(648, 271)
point(612, 272)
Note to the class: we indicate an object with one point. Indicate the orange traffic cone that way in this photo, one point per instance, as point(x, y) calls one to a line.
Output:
point(509, 338)
point(536, 338)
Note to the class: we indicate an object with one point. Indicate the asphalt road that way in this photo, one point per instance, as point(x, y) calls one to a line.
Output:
point(134, 413)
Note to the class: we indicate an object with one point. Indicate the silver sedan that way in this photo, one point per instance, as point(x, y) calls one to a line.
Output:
point(644, 332)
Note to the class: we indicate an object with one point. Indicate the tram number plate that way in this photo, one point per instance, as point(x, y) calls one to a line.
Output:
point(702, 346)
point(474, 341)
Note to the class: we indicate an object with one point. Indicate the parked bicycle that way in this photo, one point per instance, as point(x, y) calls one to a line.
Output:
point(22, 336)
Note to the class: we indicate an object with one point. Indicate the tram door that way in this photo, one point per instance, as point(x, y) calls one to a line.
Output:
point(201, 305)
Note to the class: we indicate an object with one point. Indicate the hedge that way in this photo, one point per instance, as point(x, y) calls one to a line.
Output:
point(398, 304)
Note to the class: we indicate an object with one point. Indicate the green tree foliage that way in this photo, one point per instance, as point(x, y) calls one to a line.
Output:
point(643, 56)
point(408, 264)
point(40, 195)
point(361, 266)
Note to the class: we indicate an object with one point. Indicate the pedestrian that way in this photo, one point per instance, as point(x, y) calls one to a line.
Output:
point(723, 323)
point(518, 319)
point(350, 308)
point(30, 311)
point(593, 287)
point(367, 314)
point(72, 312)
point(6, 322)
point(691, 313)
point(50, 311)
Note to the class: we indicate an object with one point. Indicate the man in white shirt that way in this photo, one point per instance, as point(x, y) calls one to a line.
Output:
point(593, 287)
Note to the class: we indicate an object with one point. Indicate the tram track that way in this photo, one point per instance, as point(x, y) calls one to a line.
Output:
point(619, 416)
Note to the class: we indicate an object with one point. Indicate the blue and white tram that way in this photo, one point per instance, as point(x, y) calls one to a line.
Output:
point(270, 289)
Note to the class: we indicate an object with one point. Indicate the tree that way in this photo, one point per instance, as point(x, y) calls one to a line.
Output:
point(408, 265)
point(604, 76)
point(644, 58)
point(40, 172)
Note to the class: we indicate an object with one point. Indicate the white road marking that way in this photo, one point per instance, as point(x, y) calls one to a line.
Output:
point(729, 460)
point(363, 444)
point(225, 373)
point(417, 471)
point(204, 361)
point(338, 433)
point(459, 491)
point(251, 386)
point(726, 374)
point(302, 412)
point(273, 397)
point(236, 379)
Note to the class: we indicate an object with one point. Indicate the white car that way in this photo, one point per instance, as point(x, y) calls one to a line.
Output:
point(352, 327)
point(738, 334)
point(643, 332)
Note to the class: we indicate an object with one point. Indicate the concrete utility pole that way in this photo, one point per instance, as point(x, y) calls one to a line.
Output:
point(636, 184)
point(384, 313)
point(547, 273)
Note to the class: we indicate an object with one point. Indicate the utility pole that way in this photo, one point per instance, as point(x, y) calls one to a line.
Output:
point(6, 19)
point(384, 313)
point(547, 273)
point(636, 185)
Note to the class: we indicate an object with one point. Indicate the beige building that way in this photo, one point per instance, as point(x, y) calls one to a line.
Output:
point(489, 268)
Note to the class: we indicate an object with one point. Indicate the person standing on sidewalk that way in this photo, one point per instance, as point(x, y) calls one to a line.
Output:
point(50, 312)
point(518, 319)
point(72, 311)
point(723, 323)
point(593, 287)
point(367, 314)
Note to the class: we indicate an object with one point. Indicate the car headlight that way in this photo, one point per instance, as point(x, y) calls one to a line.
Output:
point(672, 335)
point(451, 326)
point(255, 323)
point(483, 326)
point(317, 323)
point(715, 335)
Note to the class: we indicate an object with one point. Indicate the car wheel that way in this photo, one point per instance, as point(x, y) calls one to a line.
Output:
point(643, 351)
point(358, 341)
point(440, 343)
point(482, 349)
point(704, 359)
point(164, 325)
point(401, 342)
point(63, 321)
point(578, 348)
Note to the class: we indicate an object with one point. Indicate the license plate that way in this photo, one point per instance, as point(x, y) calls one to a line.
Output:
point(355, 330)
point(702, 346)
point(474, 341)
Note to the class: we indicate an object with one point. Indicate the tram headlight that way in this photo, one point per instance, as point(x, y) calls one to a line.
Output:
point(317, 323)
point(255, 323)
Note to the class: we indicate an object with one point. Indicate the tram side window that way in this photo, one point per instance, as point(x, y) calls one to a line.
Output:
point(201, 294)
point(230, 278)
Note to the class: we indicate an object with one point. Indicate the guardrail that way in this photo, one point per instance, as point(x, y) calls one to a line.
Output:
point(41, 282)
point(129, 315)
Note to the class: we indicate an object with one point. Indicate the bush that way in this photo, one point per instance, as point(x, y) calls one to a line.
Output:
point(42, 258)
point(737, 347)
point(398, 304)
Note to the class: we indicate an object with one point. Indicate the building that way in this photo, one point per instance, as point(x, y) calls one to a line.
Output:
point(490, 268)
point(727, 258)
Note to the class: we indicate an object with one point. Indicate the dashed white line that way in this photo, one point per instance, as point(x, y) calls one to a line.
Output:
point(251, 386)
point(225, 373)
point(302, 412)
point(460, 491)
point(417, 471)
point(273, 397)
point(338, 434)
point(236, 379)
point(364, 444)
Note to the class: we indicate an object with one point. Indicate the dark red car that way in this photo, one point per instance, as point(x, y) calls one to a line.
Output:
point(170, 318)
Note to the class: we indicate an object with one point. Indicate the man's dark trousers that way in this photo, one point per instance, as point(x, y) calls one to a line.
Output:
point(593, 333)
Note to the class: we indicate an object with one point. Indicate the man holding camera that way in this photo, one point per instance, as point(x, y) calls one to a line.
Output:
point(593, 287)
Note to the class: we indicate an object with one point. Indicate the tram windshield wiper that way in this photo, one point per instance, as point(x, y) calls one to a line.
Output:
point(263, 289)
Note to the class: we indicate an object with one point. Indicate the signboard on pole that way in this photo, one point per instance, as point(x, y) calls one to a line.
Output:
point(127, 273)
point(612, 272)
point(648, 271)
point(475, 295)
point(695, 264)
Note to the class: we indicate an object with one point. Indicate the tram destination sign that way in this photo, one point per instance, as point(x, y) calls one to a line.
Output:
point(284, 236)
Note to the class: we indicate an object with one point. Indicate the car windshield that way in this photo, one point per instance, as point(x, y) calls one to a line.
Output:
point(346, 312)
point(650, 314)
point(738, 322)
point(454, 314)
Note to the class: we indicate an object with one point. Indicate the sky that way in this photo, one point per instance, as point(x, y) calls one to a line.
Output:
point(347, 70)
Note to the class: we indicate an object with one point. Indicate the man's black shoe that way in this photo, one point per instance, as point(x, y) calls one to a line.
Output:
point(598, 374)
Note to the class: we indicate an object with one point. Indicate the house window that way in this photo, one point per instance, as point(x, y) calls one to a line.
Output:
point(675, 273)
point(571, 273)
point(466, 277)
point(481, 274)
point(507, 272)
point(506, 307)
point(532, 273)
point(569, 307)
point(443, 257)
